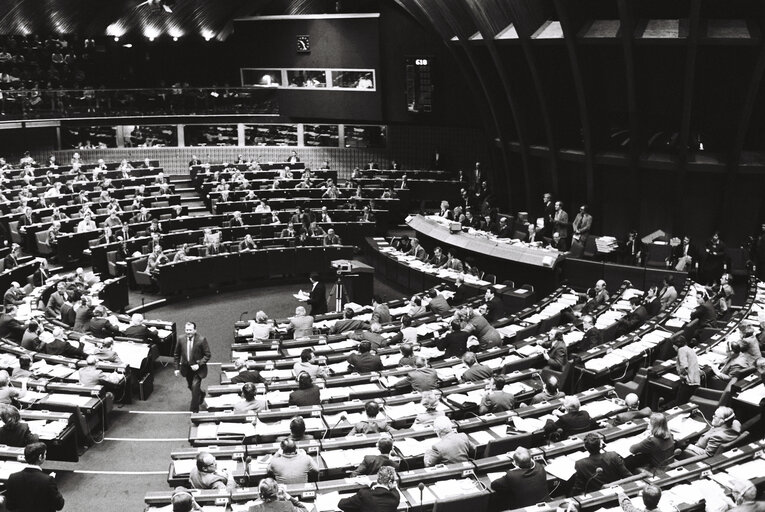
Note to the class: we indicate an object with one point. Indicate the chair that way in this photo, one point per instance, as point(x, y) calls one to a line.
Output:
point(141, 276)
point(478, 501)
point(636, 386)
point(708, 400)
point(510, 284)
point(658, 255)
point(590, 247)
point(520, 235)
point(160, 204)
point(508, 444)
point(41, 241)
point(13, 227)
point(563, 376)
point(737, 258)
point(111, 263)
point(490, 278)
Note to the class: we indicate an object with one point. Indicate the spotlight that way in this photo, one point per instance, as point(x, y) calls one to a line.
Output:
point(116, 39)
point(175, 38)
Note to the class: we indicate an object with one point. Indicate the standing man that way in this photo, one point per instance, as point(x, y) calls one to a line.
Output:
point(191, 356)
point(31, 490)
point(560, 220)
point(317, 299)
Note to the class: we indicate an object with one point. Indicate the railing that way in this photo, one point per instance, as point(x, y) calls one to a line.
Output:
point(20, 104)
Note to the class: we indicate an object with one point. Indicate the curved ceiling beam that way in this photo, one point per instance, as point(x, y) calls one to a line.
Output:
point(478, 8)
point(569, 37)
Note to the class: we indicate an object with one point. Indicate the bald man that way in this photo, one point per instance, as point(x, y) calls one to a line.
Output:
point(205, 474)
point(633, 411)
point(523, 486)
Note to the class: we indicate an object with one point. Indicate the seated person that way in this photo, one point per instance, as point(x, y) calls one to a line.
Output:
point(549, 392)
point(572, 421)
point(92, 376)
point(415, 307)
point(348, 323)
point(372, 424)
point(438, 304)
point(274, 498)
point(291, 465)
point(422, 378)
point(105, 351)
point(451, 446)
point(23, 371)
point(651, 495)
point(736, 363)
point(598, 468)
point(407, 355)
point(704, 312)
point(297, 431)
point(246, 375)
point(725, 428)
point(301, 324)
point(260, 328)
point(658, 449)
point(430, 403)
point(249, 402)
point(138, 331)
point(371, 464)
point(453, 343)
point(364, 360)
point(9, 326)
point(309, 364)
point(633, 411)
point(372, 335)
point(205, 474)
point(633, 319)
point(524, 485)
point(497, 400)
point(248, 244)
point(408, 333)
point(307, 392)
point(593, 336)
point(475, 371)
point(556, 353)
point(382, 496)
point(14, 432)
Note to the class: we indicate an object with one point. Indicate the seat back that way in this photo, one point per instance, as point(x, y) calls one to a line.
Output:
point(13, 227)
point(490, 278)
point(41, 241)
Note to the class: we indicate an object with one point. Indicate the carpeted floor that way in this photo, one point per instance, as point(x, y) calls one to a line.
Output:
point(134, 456)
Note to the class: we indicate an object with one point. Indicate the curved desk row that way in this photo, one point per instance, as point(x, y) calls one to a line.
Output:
point(234, 268)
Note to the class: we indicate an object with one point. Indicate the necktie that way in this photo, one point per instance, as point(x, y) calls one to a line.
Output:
point(189, 343)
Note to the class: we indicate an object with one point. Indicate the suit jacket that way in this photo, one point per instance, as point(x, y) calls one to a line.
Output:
point(521, 487)
point(626, 416)
point(495, 309)
point(59, 347)
point(613, 469)
point(571, 423)
point(302, 397)
point(31, 490)
point(560, 223)
point(141, 332)
point(454, 344)
point(102, 328)
point(301, 325)
point(349, 324)
point(200, 354)
point(10, 261)
point(461, 294)
point(13, 297)
point(82, 318)
point(366, 362)
point(382, 314)
point(439, 305)
point(705, 313)
point(10, 327)
point(453, 447)
point(591, 338)
point(477, 372)
point(558, 356)
point(17, 434)
point(318, 300)
point(423, 379)
point(372, 464)
point(377, 499)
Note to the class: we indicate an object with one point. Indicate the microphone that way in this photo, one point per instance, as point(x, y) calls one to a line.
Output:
point(247, 461)
point(243, 313)
point(421, 487)
point(342, 417)
point(598, 472)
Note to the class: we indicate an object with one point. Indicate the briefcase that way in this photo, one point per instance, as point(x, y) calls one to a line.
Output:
point(146, 386)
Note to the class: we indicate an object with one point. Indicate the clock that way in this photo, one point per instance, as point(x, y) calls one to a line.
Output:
point(304, 44)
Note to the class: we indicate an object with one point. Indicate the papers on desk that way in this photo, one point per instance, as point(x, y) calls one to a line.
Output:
point(32, 396)
point(132, 354)
point(222, 401)
point(527, 425)
point(622, 446)
point(334, 393)
point(509, 331)
point(675, 323)
point(275, 374)
point(753, 395)
point(246, 429)
point(481, 436)
point(207, 430)
point(606, 362)
point(600, 408)
point(412, 447)
point(747, 471)
point(453, 487)
point(396, 412)
point(572, 337)
point(183, 466)
point(327, 502)
point(431, 352)
point(8, 467)
point(683, 427)
point(671, 376)
point(472, 397)
point(67, 399)
point(45, 429)
point(530, 350)
point(517, 388)
point(562, 468)
point(347, 458)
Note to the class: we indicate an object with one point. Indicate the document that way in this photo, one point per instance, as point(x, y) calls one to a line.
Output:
point(753, 395)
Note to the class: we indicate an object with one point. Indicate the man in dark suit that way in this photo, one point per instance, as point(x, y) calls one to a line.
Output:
point(438, 304)
point(31, 490)
point(633, 411)
point(372, 463)
point(318, 296)
point(191, 355)
point(505, 228)
point(12, 260)
point(572, 421)
point(423, 377)
point(139, 331)
point(633, 249)
point(454, 344)
point(704, 312)
point(494, 307)
point(558, 243)
point(556, 352)
point(523, 486)
point(461, 292)
point(633, 319)
point(364, 360)
point(548, 213)
point(593, 336)
point(685, 255)
point(9, 326)
point(381, 496)
point(100, 326)
point(599, 468)
point(380, 310)
point(348, 323)
point(14, 295)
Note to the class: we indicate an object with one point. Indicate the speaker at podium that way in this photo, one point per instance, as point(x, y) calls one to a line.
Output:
point(355, 283)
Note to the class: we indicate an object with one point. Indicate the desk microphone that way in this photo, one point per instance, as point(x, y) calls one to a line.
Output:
point(598, 472)
point(334, 426)
point(243, 313)
point(247, 461)
point(421, 487)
